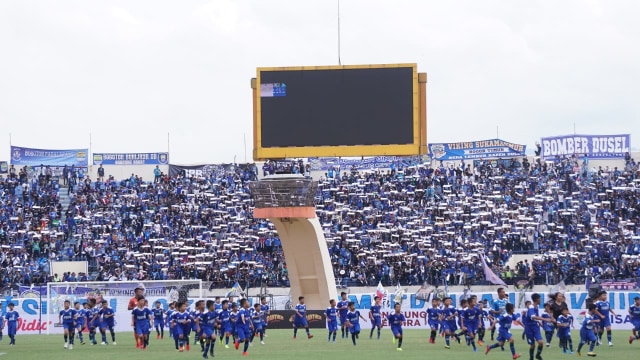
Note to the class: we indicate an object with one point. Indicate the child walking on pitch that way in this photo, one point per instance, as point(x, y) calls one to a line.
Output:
point(532, 327)
point(158, 320)
point(332, 320)
point(396, 319)
point(300, 318)
point(258, 327)
point(81, 316)
point(375, 317)
point(434, 315)
point(634, 316)
point(565, 322)
point(603, 309)
point(504, 323)
point(207, 323)
point(587, 333)
point(141, 322)
point(343, 308)
point(548, 327)
point(353, 322)
point(11, 318)
point(67, 318)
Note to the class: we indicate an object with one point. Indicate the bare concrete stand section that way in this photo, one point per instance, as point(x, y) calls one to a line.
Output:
point(287, 201)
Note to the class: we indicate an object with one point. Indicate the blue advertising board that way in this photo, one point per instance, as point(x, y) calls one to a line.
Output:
point(483, 149)
point(160, 158)
point(591, 146)
point(37, 157)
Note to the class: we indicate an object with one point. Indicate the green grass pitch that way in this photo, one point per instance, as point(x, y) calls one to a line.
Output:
point(280, 346)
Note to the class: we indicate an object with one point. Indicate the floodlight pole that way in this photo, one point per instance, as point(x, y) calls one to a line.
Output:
point(288, 202)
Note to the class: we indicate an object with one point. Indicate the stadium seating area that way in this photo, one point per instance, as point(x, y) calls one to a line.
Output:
point(410, 225)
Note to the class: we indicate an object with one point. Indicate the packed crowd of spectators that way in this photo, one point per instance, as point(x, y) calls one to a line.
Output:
point(410, 224)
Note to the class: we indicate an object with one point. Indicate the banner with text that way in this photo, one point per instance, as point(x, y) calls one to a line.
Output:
point(207, 170)
point(591, 146)
point(483, 149)
point(36, 315)
point(378, 162)
point(37, 157)
point(161, 158)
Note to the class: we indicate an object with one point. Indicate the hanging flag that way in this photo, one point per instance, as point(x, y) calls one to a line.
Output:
point(236, 290)
point(398, 295)
point(558, 288)
point(380, 291)
point(489, 275)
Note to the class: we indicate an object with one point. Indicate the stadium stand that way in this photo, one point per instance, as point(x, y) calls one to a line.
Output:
point(537, 221)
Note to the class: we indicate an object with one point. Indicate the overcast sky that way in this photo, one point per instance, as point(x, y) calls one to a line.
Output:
point(129, 72)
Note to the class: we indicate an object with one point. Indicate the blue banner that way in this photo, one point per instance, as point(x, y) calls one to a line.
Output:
point(4, 167)
point(37, 157)
point(161, 158)
point(591, 146)
point(378, 162)
point(483, 149)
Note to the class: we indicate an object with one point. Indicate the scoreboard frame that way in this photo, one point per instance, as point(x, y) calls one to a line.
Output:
point(417, 147)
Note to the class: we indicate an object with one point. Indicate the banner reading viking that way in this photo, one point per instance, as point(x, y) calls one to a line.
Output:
point(591, 146)
point(483, 149)
point(161, 158)
point(37, 157)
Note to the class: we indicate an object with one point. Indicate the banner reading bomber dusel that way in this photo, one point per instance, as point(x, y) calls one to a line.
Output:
point(591, 146)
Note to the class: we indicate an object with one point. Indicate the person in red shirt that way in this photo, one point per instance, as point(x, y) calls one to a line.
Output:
point(133, 303)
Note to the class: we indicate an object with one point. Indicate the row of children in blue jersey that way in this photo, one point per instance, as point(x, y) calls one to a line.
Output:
point(351, 321)
point(87, 315)
point(224, 319)
point(10, 320)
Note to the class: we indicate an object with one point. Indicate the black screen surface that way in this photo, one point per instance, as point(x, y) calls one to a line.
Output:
point(337, 107)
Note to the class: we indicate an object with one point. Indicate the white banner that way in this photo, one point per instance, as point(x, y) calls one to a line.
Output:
point(414, 309)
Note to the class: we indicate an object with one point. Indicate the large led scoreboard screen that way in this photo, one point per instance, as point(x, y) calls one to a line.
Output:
point(364, 110)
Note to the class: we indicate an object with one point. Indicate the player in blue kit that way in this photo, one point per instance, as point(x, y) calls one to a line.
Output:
point(244, 326)
point(484, 317)
point(233, 320)
point(182, 323)
point(158, 319)
point(587, 330)
point(353, 321)
point(603, 310)
point(548, 327)
point(332, 320)
point(224, 322)
point(264, 309)
point(257, 319)
point(433, 319)
point(564, 324)
point(197, 315)
point(107, 314)
point(504, 323)
point(11, 317)
point(375, 316)
point(634, 318)
point(81, 316)
point(300, 318)
point(449, 315)
point(67, 318)
point(2, 321)
point(208, 323)
point(396, 319)
point(343, 308)
point(198, 309)
point(498, 307)
point(92, 323)
point(470, 321)
point(532, 327)
point(141, 321)
point(170, 312)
